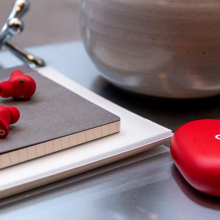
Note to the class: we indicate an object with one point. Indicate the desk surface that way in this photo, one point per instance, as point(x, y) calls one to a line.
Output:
point(135, 188)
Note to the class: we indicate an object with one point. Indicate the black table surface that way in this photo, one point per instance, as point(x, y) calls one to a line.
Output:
point(135, 188)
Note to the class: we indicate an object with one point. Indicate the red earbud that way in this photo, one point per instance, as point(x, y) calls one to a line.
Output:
point(8, 115)
point(19, 86)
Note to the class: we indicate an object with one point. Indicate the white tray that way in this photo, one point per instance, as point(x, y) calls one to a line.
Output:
point(137, 135)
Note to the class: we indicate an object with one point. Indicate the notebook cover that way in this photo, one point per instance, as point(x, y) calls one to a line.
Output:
point(53, 112)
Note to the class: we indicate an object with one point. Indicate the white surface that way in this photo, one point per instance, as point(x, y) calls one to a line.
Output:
point(135, 132)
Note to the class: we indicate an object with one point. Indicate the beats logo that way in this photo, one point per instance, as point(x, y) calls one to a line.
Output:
point(217, 136)
point(2, 132)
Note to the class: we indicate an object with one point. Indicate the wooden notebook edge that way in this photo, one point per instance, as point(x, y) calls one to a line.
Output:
point(78, 170)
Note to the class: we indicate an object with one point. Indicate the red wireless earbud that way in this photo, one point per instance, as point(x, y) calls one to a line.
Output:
point(19, 86)
point(8, 115)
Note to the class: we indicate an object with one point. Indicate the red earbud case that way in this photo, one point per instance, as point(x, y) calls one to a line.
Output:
point(195, 148)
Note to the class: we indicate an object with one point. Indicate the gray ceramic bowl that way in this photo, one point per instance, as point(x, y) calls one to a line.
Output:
point(164, 48)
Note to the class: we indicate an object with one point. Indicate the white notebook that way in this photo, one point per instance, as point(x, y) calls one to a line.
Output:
point(137, 135)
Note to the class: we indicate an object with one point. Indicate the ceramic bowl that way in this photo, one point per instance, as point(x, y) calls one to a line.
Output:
point(163, 48)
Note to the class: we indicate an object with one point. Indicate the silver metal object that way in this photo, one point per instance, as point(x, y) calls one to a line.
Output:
point(14, 26)
point(19, 9)
point(31, 60)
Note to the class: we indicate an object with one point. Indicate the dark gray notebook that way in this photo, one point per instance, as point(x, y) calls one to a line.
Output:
point(52, 120)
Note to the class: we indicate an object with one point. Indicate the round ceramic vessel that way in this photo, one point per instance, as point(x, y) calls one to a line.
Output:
point(164, 48)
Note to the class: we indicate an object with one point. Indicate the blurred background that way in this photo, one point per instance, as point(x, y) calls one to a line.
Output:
point(45, 23)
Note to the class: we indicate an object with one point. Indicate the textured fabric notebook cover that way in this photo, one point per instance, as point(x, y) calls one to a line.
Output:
point(53, 112)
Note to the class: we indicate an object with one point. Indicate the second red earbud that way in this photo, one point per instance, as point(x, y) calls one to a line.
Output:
point(8, 115)
point(19, 86)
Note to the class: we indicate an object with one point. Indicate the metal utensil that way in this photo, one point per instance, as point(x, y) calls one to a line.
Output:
point(31, 60)
point(19, 9)
point(14, 26)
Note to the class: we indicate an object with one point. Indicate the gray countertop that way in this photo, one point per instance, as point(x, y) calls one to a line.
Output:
point(135, 188)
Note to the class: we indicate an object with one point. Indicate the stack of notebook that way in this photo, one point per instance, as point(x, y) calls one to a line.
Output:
point(64, 131)
point(54, 119)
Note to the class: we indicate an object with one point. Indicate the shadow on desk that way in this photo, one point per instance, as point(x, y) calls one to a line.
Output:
point(201, 199)
point(170, 113)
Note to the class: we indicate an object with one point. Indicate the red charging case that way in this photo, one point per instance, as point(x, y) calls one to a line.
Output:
point(195, 148)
